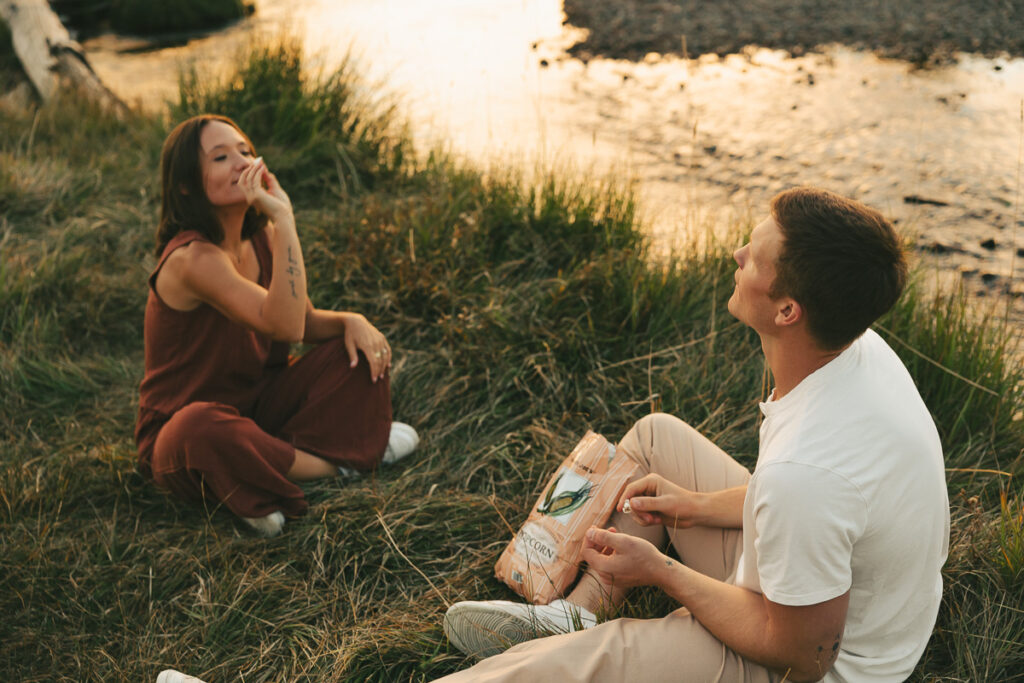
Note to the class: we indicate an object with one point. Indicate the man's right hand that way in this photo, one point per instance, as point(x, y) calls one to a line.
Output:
point(655, 500)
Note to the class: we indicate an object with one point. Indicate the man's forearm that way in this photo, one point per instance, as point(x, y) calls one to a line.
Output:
point(734, 615)
point(742, 620)
point(722, 508)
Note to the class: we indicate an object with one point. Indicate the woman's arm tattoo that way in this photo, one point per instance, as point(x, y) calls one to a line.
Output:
point(293, 270)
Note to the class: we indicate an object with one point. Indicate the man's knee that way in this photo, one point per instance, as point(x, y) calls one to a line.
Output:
point(661, 443)
point(655, 426)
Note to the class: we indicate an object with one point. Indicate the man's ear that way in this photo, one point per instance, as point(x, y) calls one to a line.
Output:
point(182, 189)
point(788, 312)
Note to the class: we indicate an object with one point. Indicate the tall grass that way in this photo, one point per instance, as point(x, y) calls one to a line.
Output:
point(329, 135)
point(522, 311)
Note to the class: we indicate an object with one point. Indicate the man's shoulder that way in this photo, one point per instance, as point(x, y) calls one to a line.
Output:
point(798, 478)
point(796, 495)
point(868, 383)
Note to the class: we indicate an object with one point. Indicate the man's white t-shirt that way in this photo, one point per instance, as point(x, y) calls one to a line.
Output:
point(849, 493)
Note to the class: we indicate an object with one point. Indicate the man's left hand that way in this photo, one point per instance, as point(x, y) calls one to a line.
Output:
point(622, 560)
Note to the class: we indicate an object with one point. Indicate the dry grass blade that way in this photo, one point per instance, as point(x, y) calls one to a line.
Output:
point(934, 362)
point(391, 540)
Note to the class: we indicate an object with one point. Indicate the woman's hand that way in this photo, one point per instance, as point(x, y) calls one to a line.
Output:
point(655, 500)
point(262, 189)
point(360, 335)
point(622, 560)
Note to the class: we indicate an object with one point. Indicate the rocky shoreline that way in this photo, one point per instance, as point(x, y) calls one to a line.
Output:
point(924, 33)
point(972, 228)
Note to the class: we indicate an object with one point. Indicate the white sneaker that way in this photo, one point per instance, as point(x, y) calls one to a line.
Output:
point(172, 676)
point(483, 629)
point(268, 526)
point(402, 441)
point(346, 473)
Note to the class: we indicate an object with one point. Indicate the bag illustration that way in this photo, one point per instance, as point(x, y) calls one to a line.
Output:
point(543, 559)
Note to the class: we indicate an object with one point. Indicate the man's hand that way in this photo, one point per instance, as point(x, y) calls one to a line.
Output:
point(655, 500)
point(622, 560)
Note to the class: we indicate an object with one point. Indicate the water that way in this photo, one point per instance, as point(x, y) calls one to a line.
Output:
point(707, 140)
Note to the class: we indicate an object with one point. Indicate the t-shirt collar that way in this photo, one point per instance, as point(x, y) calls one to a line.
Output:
point(807, 384)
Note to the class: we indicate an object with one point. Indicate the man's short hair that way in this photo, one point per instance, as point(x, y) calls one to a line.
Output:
point(840, 260)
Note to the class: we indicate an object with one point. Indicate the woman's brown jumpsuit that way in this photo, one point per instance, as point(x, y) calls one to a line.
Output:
point(222, 410)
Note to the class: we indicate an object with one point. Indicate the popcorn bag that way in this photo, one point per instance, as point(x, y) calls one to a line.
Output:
point(543, 559)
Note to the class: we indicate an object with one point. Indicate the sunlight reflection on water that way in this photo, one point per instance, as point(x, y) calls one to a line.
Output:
point(707, 140)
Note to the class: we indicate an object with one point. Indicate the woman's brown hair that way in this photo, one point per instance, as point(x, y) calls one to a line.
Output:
point(185, 205)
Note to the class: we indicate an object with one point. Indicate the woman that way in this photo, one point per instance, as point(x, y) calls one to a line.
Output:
point(223, 414)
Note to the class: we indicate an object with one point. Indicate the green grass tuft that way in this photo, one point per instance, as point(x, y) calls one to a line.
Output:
point(325, 138)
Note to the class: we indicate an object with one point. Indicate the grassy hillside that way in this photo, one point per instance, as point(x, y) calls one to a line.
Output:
point(523, 311)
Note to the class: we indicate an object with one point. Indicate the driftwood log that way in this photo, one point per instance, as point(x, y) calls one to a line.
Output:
point(50, 58)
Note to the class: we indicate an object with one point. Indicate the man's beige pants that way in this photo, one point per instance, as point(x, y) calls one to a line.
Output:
point(676, 647)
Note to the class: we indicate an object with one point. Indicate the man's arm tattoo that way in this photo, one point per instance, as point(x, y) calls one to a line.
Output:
point(826, 659)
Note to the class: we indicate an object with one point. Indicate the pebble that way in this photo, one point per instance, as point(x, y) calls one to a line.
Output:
point(936, 248)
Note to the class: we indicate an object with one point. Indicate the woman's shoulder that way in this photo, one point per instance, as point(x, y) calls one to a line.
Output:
point(182, 240)
point(196, 257)
point(186, 269)
point(187, 246)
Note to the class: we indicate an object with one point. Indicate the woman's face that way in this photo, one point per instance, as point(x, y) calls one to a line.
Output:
point(223, 155)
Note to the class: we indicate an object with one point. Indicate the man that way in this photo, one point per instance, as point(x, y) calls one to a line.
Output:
point(825, 563)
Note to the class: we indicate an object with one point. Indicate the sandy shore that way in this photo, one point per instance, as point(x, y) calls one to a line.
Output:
point(927, 32)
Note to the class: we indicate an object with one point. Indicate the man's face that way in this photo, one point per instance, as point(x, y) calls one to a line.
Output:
point(756, 259)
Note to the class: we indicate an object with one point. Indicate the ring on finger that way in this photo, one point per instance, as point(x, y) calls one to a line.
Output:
point(377, 354)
